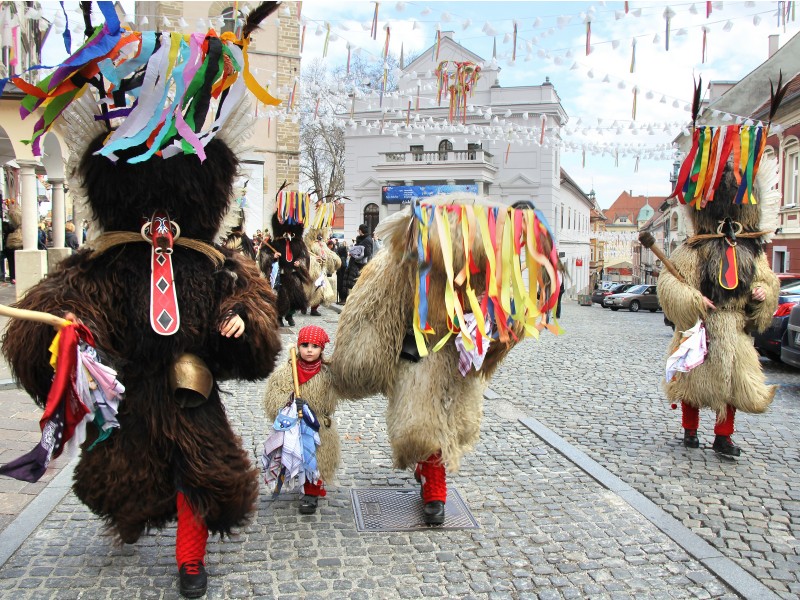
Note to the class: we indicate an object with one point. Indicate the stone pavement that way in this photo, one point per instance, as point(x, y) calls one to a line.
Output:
point(580, 486)
point(19, 433)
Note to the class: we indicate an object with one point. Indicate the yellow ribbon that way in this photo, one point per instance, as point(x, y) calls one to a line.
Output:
point(259, 92)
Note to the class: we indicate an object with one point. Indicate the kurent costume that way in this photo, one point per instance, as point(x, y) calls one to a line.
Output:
point(317, 391)
point(432, 316)
point(324, 263)
point(288, 222)
point(158, 298)
point(733, 211)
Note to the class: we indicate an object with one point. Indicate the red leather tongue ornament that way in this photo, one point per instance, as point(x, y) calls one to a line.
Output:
point(164, 315)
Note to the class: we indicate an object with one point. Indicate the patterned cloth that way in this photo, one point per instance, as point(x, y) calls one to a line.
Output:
point(691, 352)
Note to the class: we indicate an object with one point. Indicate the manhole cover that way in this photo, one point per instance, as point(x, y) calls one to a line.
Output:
point(392, 509)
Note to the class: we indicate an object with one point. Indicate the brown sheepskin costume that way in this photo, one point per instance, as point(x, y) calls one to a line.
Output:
point(431, 407)
point(132, 478)
point(319, 393)
point(731, 374)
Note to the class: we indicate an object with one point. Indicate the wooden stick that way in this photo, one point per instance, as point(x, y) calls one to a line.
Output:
point(33, 315)
point(293, 358)
point(648, 241)
point(270, 247)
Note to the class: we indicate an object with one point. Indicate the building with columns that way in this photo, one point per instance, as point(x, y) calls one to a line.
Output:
point(19, 167)
point(404, 145)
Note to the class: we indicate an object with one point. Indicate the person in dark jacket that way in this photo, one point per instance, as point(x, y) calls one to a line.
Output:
point(70, 239)
point(360, 254)
point(341, 251)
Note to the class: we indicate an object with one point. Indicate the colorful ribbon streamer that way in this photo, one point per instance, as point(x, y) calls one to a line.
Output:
point(511, 249)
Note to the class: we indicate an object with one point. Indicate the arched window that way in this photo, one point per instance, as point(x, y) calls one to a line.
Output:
point(231, 22)
point(445, 146)
point(371, 216)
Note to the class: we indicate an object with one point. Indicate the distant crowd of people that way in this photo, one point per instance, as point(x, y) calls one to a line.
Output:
point(267, 254)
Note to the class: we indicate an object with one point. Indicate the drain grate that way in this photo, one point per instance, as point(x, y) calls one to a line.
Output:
point(392, 509)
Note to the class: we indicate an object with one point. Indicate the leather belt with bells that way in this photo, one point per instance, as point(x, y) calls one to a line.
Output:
point(161, 233)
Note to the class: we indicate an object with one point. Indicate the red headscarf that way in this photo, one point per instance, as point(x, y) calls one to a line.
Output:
point(311, 334)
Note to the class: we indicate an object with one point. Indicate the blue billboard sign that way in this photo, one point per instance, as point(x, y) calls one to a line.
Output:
point(403, 194)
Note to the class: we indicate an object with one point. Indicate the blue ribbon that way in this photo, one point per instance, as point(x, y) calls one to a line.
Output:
point(67, 33)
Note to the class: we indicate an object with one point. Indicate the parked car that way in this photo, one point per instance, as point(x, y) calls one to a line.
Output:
point(788, 279)
point(639, 296)
point(601, 293)
point(768, 342)
point(790, 343)
point(617, 289)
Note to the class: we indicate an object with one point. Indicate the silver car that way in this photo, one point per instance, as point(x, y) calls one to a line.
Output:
point(639, 296)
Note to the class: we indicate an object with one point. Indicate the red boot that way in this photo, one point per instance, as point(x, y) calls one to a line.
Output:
point(190, 550)
point(433, 477)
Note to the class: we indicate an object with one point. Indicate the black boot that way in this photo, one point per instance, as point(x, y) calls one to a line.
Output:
point(315, 313)
point(193, 579)
point(724, 445)
point(690, 439)
point(290, 320)
point(308, 504)
point(280, 322)
point(433, 513)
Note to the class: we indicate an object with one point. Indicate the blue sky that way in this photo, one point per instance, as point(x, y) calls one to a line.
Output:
point(596, 90)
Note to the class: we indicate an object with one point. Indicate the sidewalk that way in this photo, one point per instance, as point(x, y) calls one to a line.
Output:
point(19, 433)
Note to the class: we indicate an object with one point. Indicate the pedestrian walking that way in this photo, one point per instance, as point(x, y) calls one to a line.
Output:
point(341, 288)
point(359, 255)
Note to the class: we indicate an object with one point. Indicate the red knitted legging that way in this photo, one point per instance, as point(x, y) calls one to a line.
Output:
point(190, 541)
point(434, 479)
point(690, 419)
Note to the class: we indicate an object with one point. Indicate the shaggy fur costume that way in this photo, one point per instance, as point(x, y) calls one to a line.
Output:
point(292, 280)
point(431, 406)
point(325, 261)
point(132, 478)
point(319, 393)
point(731, 373)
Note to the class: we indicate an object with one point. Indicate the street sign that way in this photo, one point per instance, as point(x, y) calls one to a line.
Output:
point(403, 194)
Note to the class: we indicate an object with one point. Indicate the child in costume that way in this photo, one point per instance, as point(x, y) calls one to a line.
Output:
point(170, 311)
point(318, 394)
point(727, 288)
point(442, 272)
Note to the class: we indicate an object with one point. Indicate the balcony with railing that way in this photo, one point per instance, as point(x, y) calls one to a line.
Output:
point(439, 156)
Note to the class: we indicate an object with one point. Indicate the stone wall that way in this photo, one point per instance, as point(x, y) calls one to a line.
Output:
point(288, 150)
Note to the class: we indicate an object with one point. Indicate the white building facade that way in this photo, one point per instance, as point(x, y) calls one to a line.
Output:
point(395, 151)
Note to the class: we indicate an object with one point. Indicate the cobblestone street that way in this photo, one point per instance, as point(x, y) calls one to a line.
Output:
point(580, 486)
